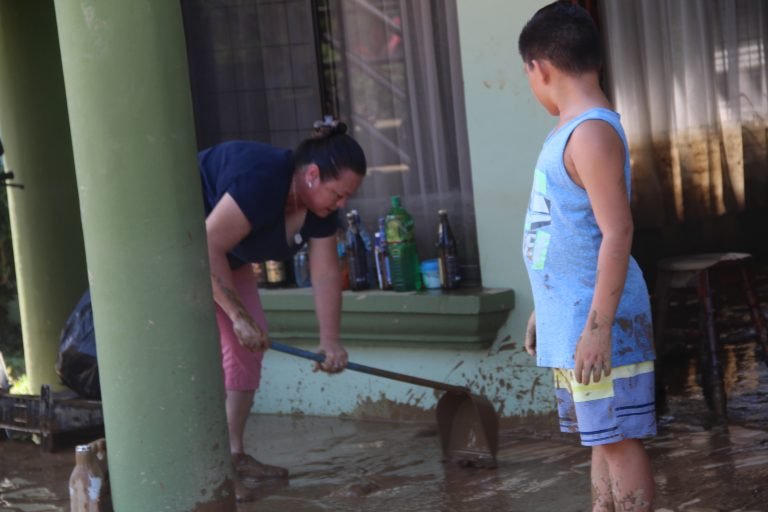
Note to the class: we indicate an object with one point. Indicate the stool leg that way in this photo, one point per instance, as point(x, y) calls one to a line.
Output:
point(659, 324)
point(712, 380)
point(754, 311)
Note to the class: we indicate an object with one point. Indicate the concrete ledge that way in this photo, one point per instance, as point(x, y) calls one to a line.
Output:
point(463, 319)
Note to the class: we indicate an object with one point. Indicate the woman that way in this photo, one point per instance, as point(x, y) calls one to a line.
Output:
point(262, 203)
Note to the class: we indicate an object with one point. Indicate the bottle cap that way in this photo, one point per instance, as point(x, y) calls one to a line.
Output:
point(83, 448)
point(395, 200)
point(442, 212)
point(351, 216)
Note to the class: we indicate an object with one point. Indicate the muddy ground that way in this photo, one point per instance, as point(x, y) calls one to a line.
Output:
point(348, 465)
point(701, 463)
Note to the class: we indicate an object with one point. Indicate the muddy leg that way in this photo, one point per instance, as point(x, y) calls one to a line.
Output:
point(631, 475)
point(602, 496)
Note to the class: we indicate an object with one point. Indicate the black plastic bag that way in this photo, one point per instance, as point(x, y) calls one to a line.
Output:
point(77, 363)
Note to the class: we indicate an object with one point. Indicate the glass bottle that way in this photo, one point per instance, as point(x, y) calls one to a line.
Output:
point(357, 256)
point(383, 273)
point(261, 274)
point(401, 241)
point(447, 254)
point(370, 256)
point(85, 481)
point(276, 275)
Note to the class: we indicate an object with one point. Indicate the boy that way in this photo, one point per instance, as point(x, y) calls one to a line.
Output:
point(592, 320)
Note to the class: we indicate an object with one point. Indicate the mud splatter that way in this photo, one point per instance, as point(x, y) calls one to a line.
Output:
point(223, 499)
point(625, 324)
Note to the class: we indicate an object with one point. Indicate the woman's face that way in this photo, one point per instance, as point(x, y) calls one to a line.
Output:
point(325, 197)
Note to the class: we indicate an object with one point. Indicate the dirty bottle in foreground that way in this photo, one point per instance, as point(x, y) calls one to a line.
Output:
point(86, 487)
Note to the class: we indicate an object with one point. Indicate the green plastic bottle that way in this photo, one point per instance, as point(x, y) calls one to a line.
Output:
point(401, 242)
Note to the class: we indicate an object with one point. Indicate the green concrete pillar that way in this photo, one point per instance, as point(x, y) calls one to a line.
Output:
point(45, 217)
point(134, 145)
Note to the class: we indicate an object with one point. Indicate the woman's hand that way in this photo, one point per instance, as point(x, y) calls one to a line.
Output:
point(336, 357)
point(530, 334)
point(248, 333)
point(593, 351)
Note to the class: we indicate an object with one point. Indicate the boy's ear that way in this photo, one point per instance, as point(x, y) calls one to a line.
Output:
point(543, 69)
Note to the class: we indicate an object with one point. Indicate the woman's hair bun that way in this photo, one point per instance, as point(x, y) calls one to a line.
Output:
point(329, 127)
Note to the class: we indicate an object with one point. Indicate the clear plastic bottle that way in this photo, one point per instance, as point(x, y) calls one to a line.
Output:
point(357, 256)
point(383, 272)
point(447, 254)
point(301, 268)
point(401, 242)
point(341, 251)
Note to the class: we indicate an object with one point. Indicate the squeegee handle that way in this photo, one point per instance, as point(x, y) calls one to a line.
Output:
point(306, 354)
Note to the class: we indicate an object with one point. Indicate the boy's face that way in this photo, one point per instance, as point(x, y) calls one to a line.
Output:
point(539, 80)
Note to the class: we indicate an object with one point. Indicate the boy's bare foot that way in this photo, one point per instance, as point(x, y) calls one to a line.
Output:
point(248, 467)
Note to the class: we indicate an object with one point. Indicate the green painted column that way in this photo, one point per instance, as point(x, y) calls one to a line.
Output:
point(133, 137)
point(45, 217)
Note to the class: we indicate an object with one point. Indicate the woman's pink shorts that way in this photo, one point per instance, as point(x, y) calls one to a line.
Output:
point(242, 368)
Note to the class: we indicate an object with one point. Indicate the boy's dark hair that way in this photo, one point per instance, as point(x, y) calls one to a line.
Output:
point(331, 149)
point(564, 34)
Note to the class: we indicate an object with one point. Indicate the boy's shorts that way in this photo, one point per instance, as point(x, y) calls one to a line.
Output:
point(620, 406)
point(242, 368)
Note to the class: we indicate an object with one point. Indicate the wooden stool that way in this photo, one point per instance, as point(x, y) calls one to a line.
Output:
point(698, 272)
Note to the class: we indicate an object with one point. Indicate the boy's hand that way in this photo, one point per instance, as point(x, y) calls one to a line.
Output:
point(530, 334)
point(593, 351)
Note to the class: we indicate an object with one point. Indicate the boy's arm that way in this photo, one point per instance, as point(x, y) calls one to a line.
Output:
point(596, 157)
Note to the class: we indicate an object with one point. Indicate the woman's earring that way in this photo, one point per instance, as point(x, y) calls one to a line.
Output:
point(309, 184)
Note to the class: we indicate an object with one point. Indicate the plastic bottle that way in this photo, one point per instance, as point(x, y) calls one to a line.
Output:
point(369, 250)
point(86, 482)
point(383, 272)
point(341, 252)
point(301, 268)
point(357, 256)
point(401, 241)
point(447, 254)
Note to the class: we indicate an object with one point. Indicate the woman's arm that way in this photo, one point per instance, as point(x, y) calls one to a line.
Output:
point(597, 155)
point(326, 286)
point(225, 227)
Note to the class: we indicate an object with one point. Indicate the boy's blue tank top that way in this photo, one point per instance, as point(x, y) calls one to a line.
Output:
point(560, 247)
